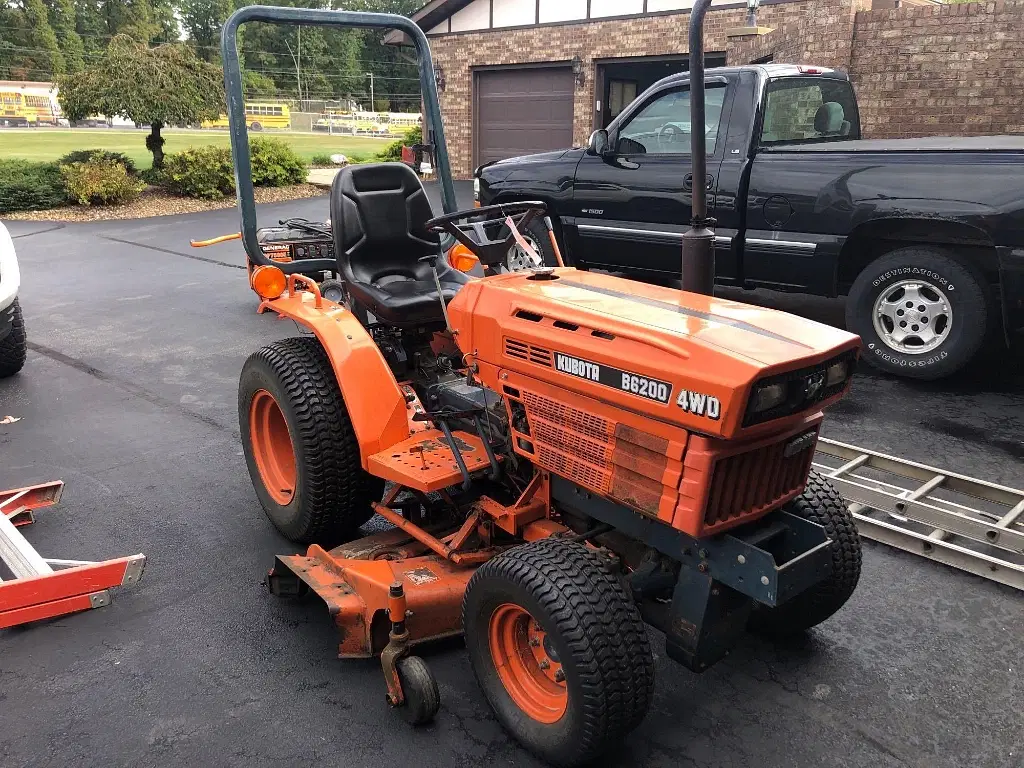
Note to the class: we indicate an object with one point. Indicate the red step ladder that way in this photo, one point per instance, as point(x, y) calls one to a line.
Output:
point(43, 587)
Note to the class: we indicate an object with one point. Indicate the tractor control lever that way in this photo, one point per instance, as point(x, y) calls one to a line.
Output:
point(432, 261)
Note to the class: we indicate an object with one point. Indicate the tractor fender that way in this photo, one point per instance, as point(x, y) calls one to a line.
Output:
point(373, 399)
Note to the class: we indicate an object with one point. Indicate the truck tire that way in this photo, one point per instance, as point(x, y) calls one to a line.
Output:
point(559, 649)
point(820, 503)
point(299, 444)
point(920, 312)
point(536, 234)
point(14, 348)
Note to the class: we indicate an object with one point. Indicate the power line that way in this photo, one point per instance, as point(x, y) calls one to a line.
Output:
point(243, 50)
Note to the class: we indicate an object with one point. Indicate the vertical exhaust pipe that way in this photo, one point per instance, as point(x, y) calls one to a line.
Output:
point(699, 240)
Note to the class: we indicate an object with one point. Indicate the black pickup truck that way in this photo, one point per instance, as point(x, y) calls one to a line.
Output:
point(925, 237)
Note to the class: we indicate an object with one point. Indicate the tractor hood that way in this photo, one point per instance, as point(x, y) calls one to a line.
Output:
point(697, 359)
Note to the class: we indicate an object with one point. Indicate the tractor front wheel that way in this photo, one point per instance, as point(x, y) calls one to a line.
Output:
point(559, 649)
point(299, 445)
point(820, 503)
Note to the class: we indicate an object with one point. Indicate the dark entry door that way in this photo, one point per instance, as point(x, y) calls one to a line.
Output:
point(521, 111)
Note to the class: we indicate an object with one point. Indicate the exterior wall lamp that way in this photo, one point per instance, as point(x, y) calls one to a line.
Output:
point(577, 70)
point(439, 79)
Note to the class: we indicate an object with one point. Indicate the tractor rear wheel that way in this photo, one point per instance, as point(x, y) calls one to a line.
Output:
point(820, 503)
point(299, 445)
point(559, 649)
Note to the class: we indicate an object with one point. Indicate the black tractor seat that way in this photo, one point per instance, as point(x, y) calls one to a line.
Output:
point(379, 213)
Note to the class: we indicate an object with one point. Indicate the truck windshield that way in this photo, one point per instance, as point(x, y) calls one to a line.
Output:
point(809, 110)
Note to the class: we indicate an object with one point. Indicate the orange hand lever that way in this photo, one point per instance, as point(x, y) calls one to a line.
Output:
point(215, 240)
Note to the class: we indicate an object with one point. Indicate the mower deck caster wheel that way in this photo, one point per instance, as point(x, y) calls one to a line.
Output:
point(422, 699)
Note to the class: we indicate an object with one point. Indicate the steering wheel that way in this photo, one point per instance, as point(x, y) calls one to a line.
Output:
point(668, 134)
point(491, 252)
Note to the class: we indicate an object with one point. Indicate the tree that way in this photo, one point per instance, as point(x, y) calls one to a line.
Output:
point(157, 86)
point(164, 20)
point(257, 85)
point(202, 21)
point(63, 21)
point(389, 62)
point(130, 17)
point(91, 24)
point(42, 40)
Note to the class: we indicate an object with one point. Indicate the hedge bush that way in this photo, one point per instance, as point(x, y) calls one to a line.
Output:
point(100, 180)
point(321, 159)
point(29, 186)
point(208, 172)
point(86, 155)
point(200, 172)
point(392, 153)
point(275, 164)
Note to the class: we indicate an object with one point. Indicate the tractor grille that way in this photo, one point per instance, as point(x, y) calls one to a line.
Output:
point(694, 483)
point(606, 456)
point(558, 413)
point(755, 481)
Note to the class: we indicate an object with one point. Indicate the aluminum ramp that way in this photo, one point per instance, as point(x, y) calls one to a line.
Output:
point(966, 523)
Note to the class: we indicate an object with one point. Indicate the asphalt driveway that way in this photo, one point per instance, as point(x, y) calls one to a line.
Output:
point(129, 396)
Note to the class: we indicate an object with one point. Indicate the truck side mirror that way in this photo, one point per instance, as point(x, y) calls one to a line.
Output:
point(598, 143)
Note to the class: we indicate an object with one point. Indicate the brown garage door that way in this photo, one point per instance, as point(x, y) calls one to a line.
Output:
point(519, 111)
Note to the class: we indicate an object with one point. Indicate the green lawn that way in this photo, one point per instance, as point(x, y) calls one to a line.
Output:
point(52, 143)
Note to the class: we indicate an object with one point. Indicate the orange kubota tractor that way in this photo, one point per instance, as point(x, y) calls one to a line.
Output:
point(563, 457)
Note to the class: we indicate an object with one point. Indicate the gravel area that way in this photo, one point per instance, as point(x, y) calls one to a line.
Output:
point(153, 202)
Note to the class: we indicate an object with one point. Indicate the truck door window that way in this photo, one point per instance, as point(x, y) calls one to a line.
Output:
point(809, 110)
point(662, 126)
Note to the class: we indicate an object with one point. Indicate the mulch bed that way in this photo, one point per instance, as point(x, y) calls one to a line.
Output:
point(154, 202)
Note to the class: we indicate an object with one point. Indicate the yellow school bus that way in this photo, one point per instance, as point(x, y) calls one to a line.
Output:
point(26, 109)
point(258, 115)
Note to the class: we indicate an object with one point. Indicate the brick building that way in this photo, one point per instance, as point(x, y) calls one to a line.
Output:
point(519, 76)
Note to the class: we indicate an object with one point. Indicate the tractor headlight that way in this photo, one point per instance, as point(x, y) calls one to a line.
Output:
point(836, 373)
point(766, 397)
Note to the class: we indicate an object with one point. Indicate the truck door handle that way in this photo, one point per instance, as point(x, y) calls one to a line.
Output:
point(688, 182)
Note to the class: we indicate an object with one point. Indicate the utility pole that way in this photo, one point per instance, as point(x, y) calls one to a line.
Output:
point(373, 105)
point(297, 60)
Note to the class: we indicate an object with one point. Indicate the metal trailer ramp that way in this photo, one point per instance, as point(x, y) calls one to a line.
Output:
point(44, 588)
point(960, 521)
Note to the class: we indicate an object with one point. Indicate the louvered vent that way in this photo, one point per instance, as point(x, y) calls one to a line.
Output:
point(520, 350)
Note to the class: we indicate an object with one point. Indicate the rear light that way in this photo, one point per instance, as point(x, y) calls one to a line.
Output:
point(810, 70)
point(461, 258)
point(269, 282)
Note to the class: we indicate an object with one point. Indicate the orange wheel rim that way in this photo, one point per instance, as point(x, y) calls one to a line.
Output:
point(527, 664)
point(272, 447)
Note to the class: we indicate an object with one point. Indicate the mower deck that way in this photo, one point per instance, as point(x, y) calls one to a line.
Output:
point(354, 579)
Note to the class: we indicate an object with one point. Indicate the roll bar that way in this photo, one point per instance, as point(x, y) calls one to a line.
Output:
point(239, 133)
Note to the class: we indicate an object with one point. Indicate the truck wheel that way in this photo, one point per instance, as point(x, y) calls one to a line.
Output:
point(559, 650)
point(299, 445)
point(536, 235)
point(14, 348)
point(820, 503)
point(920, 312)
